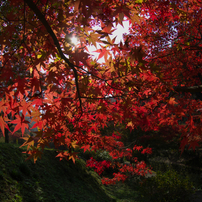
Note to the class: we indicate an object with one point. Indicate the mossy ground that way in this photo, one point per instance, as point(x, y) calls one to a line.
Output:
point(49, 179)
point(52, 180)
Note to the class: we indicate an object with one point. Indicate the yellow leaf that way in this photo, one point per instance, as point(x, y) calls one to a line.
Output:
point(39, 56)
point(130, 124)
point(74, 145)
point(31, 70)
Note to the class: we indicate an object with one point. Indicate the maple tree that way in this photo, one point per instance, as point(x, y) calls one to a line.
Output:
point(148, 81)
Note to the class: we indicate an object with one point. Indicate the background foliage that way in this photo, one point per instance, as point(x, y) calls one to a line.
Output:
point(150, 81)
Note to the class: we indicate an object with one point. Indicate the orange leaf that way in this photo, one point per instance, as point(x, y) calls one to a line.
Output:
point(73, 156)
point(172, 101)
point(29, 142)
point(2, 125)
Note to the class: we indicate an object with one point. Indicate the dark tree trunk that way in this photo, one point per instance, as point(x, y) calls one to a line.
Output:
point(6, 130)
point(6, 135)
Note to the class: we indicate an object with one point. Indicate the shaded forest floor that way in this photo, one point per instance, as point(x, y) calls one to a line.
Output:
point(52, 180)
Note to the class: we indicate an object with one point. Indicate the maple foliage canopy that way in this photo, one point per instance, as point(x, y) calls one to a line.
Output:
point(147, 81)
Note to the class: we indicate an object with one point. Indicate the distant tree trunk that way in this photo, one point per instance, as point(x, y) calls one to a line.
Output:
point(7, 131)
point(6, 135)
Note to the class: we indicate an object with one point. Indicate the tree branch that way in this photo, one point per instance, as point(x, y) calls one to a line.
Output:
point(41, 17)
point(191, 89)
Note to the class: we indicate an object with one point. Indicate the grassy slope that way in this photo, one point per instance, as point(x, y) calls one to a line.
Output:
point(48, 180)
point(52, 180)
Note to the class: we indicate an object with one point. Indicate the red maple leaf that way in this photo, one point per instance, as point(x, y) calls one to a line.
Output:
point(138, 148)
point(21, 123)
point(85, 147)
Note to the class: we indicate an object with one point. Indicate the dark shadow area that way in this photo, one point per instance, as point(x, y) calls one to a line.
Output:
point(48, 180)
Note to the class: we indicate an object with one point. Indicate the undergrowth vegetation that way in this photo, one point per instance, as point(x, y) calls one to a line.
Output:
point(51, 180)
point(167, 186)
